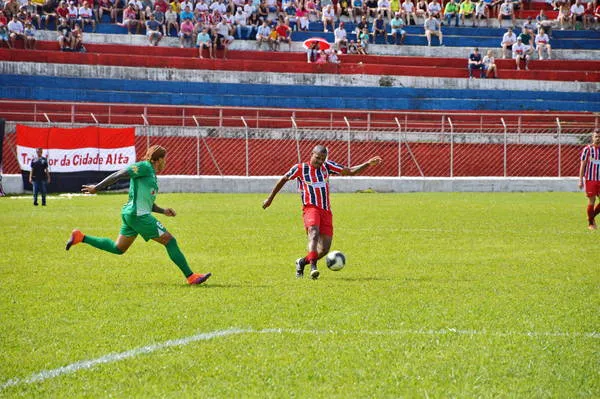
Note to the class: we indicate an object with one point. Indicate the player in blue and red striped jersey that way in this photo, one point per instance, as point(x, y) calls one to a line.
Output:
point(590, 171)
point(313, 183)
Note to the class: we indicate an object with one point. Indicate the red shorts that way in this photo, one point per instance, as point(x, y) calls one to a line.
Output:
point(315, 216)
point(592, 188)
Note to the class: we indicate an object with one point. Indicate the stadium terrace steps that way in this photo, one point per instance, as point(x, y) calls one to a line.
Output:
point(318, 97)
point(257, 61)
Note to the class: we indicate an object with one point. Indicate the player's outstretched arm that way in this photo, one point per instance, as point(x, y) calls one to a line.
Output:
point(354, 170)
point(110, 179)
point(276, 189)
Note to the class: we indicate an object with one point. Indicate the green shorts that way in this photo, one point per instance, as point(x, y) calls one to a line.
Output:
point(146, 225)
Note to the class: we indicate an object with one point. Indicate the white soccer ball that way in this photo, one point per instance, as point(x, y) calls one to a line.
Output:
point(335, 260)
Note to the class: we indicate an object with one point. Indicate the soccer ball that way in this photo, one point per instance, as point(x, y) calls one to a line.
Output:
point(335, 260)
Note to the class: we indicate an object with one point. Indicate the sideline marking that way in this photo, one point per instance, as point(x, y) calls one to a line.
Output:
point(115, 357)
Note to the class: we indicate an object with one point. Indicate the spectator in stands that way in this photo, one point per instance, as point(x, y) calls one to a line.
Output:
point(186, 32)
point(186, 13)
point(345, 8)
point(117, 9)
point(506, 12)
point(542, 42)
point(371, 8)
point(263, 35)
point(433, 28)
point(159, 16)
point(31, 11)
point(361, 25)
point(30, 33)
point(130, 19)
point(328, 18)
point(383, 8)
point(289, 12)
point(171, 21)
point(467, 11)
point(62, 11)
point(73, 14)
point(223, 38)
point(352, 47)
point(452, 12)
point(263, 11)
point(48, 12)
point(489, 65)
point(86, 16)
point(302, 18)
point(577, 14)
point(395, 6)
point(542, 21)
point(204, 41)
point(597, 16)
point(564, 15)
point(481, 13)
point(379, 28)
point(312, 53)
point(16, 30)
point(435, 9)
point(475, 62)
point(421, 9)
point(508, 40)
point(284, 34)
point(65, 35)
point(240, 21)
point(104, 6)
point(340, 37)
point(153, 31)
point(527, 41)
point(332, 57)
point(397, 29)
point(162, 5)
point(363, 43)
point(77, 39)
point(11, 8)
point(409, 12)
point(588, 17)
point(4, 35)
point(520, 53)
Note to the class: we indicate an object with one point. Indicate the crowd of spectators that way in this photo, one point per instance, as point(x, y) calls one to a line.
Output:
point(213, 24)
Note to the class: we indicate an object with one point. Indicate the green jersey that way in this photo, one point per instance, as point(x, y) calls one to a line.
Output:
point(143, 188)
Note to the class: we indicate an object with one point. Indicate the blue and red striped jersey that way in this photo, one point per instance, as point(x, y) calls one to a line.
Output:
point(591, 154)
point(313, 183)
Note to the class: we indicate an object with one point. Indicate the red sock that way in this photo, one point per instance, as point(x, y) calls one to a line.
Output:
point(311, 257)
point(597, 210)
point(591, 214)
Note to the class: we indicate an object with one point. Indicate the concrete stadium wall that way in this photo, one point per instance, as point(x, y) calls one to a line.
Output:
point(12, 184)
point(296, 79)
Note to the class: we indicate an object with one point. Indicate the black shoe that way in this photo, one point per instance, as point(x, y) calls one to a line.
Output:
point(314, 272)
point(300, 263)
point(43, 204)
point(35, 203)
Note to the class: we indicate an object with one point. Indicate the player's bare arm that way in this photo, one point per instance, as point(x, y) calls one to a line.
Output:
point(276, 189)
point(354, 170)
point(164, 211)
point(581, 170)
point(110, 179)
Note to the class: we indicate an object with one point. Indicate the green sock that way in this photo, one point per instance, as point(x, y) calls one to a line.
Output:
point(177, 257)
point(105, 244)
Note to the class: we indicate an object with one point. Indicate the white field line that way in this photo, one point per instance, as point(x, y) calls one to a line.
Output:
point(115, 357)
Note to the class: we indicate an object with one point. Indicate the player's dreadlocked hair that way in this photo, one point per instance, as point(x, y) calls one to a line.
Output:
point(155, 152)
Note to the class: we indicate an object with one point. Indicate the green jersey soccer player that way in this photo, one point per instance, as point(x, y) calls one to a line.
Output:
point(136, 214)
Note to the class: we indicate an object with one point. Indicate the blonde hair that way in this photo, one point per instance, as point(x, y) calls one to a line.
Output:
point(155, 152)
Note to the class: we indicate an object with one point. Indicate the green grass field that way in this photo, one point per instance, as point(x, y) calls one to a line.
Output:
point(443, 295)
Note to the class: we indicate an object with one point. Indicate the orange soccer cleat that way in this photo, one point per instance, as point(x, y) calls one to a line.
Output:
point(195, 278)
point(76, 238)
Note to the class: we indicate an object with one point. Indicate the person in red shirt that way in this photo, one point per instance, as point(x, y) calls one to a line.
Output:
point(284, 33)
point(313, 184)
point(589, 177)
